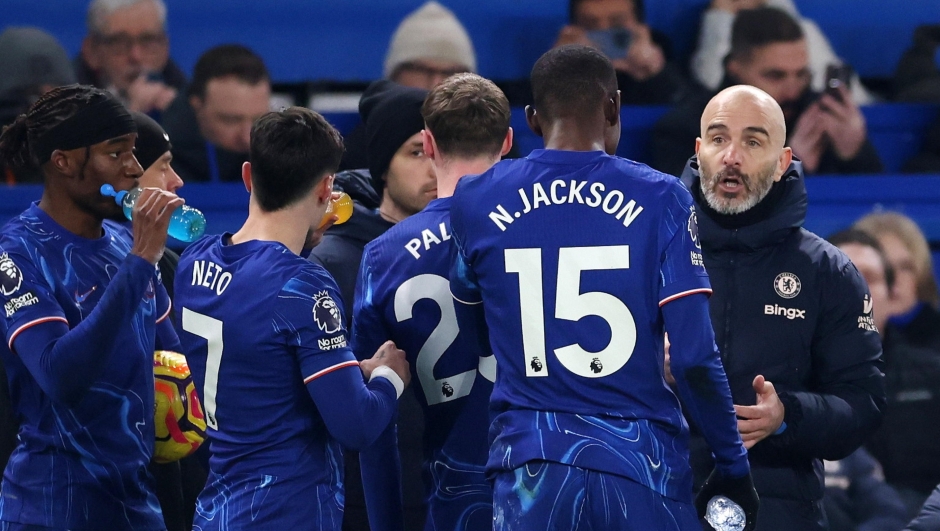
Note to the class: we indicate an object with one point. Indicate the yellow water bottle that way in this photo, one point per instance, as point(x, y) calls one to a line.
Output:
point(342, 206)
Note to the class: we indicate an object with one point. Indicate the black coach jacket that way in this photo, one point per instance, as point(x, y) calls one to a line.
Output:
point(792, 307)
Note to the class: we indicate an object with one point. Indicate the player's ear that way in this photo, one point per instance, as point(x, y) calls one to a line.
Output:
point(428, 144)
point(65, 164)
point(246, 175)
point(698, 145)
point(532, 118)
point(507, 143)
point(612, 109)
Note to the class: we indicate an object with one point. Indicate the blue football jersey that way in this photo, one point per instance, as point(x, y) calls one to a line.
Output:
point(257, 324)
point(572, 255)
point(403, 294)
point(82, 466)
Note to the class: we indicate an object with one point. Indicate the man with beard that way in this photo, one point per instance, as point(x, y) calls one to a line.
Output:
point(768, 50)
point(792, 315)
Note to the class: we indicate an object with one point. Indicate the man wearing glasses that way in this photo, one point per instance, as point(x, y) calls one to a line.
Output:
point(127, 52)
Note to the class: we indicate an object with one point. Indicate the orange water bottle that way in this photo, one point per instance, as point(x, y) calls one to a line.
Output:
point(342, 206)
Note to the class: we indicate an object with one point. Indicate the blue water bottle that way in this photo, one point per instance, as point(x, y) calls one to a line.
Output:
point(186, 224)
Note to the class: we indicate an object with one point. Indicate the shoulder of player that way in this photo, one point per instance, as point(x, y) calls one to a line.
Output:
point(817, 253)
point(313, 276)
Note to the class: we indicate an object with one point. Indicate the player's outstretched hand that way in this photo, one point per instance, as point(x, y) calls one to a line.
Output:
point(151, 216)
point(739, 490)
point(391, 356)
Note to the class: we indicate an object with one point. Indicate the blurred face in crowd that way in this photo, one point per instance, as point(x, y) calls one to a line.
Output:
point(160, 175)
point(426, 73)
point(740, 153)
point(869, 264)
point(410, 183)
point(905, 272)
point(780, 69)
point(131, 41)
point(604, 14)
point(229, 109)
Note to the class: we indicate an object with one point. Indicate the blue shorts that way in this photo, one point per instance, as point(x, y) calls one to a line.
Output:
point(462, 499)
point(267, 503)
point(551, 496)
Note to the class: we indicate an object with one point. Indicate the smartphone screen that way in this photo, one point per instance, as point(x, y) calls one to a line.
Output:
point(614, 43)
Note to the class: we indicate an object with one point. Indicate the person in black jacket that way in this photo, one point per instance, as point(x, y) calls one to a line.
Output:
point(792, 315)
point(768, 50)
point(398, 183)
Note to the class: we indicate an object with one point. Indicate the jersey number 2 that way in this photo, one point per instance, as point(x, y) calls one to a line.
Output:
point(572, 305)
point(437, 288)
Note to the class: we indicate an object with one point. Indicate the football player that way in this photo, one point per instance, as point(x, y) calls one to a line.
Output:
point(403, 294)
point(265, 340)
point(581, 260)
point(82, 313)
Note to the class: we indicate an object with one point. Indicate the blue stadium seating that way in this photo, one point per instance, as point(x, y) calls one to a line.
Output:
point(346, 40)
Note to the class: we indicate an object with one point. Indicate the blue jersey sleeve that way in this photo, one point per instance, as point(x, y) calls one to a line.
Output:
point(66, 362)
point(368, 327)
point(166, 338)
point(354, 412)
point(682, 270)
point(702, 382)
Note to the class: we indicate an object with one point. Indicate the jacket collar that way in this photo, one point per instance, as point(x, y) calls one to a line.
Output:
point(764, 225)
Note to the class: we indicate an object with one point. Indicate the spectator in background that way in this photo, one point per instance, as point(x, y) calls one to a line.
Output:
point(918, 79)
point(768, 50)
point(399, 182)
point(127, 52)
point(714, 43)
point(908, 443)
point(211, 125)
point(32, 62)
point(645, 73)
point(428, 46)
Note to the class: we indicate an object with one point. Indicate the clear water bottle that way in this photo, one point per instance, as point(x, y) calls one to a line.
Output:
point(186, 224)
point(725, 515)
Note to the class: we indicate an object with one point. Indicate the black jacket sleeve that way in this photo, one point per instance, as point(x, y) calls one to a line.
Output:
point(848, 394)
point(929, 517)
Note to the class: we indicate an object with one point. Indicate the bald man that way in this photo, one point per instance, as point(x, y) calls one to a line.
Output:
point(792, 315)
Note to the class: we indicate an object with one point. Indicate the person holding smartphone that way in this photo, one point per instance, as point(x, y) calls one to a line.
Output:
point(769, 50)
point(645, 75)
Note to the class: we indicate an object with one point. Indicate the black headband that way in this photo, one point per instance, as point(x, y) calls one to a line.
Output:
point(103, 120)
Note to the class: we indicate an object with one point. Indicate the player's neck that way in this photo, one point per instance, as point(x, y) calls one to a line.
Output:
point(453, 170)
point(69, 215)
point(279, 226)
point(567, 134)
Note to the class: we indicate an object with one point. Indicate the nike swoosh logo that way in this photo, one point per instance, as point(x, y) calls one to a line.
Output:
point(80, 298)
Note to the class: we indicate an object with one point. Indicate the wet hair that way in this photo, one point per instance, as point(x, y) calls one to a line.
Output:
point(291, 151)
point(19, 140)
point(860, 237)
point(227, 60)
point(756, 28)
point(572, 81)
point(468, 116)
